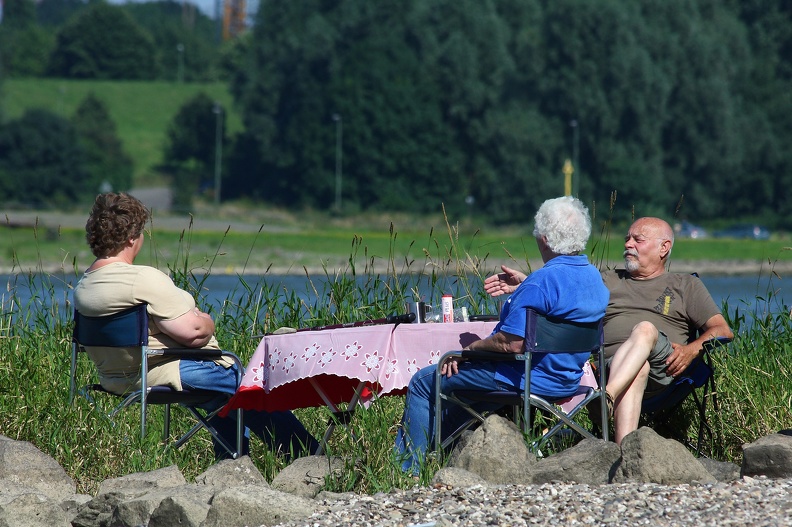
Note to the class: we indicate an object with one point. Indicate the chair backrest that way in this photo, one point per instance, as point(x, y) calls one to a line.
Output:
point(545, 334)
point(126, 328)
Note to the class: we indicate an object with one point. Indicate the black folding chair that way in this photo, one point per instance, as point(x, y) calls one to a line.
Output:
point(129, 329)
point(542, 335)
point(698, 380)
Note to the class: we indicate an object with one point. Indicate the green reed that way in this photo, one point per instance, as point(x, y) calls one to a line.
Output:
point(754, 386)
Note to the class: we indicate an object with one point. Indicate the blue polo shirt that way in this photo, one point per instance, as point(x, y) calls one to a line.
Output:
point(567, 287)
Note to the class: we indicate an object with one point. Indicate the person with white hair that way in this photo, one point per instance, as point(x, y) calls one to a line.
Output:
point(566, 287)
point(648, 322)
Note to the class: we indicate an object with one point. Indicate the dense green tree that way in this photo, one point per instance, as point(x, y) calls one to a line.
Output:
point(382, 68)
point(660, 103)
point(103, 42)
point(41, 161)
point(53, 13)
point(24, 45)
point(190, 150)
point(768, 96)
point(104, 159)
point(183, 36)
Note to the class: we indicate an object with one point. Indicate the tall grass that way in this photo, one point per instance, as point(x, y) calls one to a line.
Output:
point(753, 375)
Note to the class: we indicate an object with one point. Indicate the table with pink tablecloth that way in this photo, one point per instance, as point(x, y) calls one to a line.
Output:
point(328, 367)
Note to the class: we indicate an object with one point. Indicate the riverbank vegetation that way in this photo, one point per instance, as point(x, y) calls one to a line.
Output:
point(754, 381)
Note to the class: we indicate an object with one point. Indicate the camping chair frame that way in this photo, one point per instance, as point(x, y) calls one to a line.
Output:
point(543, 335)
point(129, 329)
point(657, 410)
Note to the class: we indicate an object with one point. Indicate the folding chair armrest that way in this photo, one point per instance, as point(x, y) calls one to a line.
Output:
point(199, 353)
point(478, 355)
point(494, 356)
point(715, 343)
point(196, 353)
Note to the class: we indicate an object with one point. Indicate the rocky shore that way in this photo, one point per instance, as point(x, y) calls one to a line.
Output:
point(491, 479)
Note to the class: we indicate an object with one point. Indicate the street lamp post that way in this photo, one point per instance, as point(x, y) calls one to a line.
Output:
point(180, 71)
point(575, 143)
point(338, 172)
point(218, 111)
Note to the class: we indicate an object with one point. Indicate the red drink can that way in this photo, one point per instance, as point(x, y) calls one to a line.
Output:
point(448, 308)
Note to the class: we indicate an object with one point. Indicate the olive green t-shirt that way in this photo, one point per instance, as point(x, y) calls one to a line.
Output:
point(673, 302)
point(119, 286)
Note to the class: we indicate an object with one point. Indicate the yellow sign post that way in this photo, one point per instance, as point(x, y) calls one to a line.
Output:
point(568, 170)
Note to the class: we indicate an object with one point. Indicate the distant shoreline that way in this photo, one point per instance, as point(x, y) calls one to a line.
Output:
point(703, 267)
point(176, 223)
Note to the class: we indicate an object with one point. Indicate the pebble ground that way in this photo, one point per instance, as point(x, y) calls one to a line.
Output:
point(746, 502)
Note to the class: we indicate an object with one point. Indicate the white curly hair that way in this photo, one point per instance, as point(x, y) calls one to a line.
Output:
point(565, 223)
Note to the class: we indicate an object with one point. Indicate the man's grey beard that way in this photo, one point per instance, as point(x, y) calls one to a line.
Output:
point(630, 265)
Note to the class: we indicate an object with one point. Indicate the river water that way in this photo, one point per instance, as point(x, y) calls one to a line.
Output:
point(759, 295)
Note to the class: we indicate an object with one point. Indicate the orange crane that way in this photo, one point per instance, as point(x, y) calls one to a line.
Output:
point(234, 18)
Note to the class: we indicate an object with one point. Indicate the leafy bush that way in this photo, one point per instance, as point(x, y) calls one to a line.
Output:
point(41, 161)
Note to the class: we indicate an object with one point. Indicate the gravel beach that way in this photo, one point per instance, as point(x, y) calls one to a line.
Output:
point(746, 502)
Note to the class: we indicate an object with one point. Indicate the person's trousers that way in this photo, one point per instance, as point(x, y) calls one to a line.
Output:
point(281, 431)
point(416, 434)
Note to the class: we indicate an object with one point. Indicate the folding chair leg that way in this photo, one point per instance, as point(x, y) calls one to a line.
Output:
point(166, 424)
point(203, 422)
point(440, 443)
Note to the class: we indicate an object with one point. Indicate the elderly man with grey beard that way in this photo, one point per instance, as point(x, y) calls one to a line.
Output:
point(647, 322)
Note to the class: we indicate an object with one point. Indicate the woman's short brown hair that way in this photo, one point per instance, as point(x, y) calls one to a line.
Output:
point(114, 219)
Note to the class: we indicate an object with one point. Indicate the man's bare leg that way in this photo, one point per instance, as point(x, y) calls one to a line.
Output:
point(629, 371)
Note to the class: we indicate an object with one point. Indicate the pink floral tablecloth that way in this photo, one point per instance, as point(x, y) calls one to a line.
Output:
point(296, 370)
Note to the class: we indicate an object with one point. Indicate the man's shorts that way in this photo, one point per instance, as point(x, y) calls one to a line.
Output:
point(658, 376)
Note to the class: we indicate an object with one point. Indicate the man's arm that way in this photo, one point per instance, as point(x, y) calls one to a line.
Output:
point(193, 329)
point(683, 355)
point(500, 342)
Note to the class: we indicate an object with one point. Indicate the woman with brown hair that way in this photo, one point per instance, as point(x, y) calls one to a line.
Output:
point(113, 283)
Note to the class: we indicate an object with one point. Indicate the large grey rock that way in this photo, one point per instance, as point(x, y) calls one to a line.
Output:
point(769, 456)
point(21, 463)
point(305, 476)
point(232, 473)
point(179, 511)
point(31, 510)
point(721, 470)
point(98, 512)
point(458, 478)
point(497, 452)
point(251, 505)
point(139, 483)
point(649, 458)
point(71, 506)
point(138, 510)
point(591, 462)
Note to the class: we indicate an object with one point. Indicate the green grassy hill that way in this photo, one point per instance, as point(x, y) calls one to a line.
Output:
point(141, 110)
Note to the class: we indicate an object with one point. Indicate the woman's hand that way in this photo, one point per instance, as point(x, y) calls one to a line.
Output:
point(503, 283)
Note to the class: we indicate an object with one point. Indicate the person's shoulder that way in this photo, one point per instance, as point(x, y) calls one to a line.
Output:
point(150, 274)
point(681, 278)
point(614, 274)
